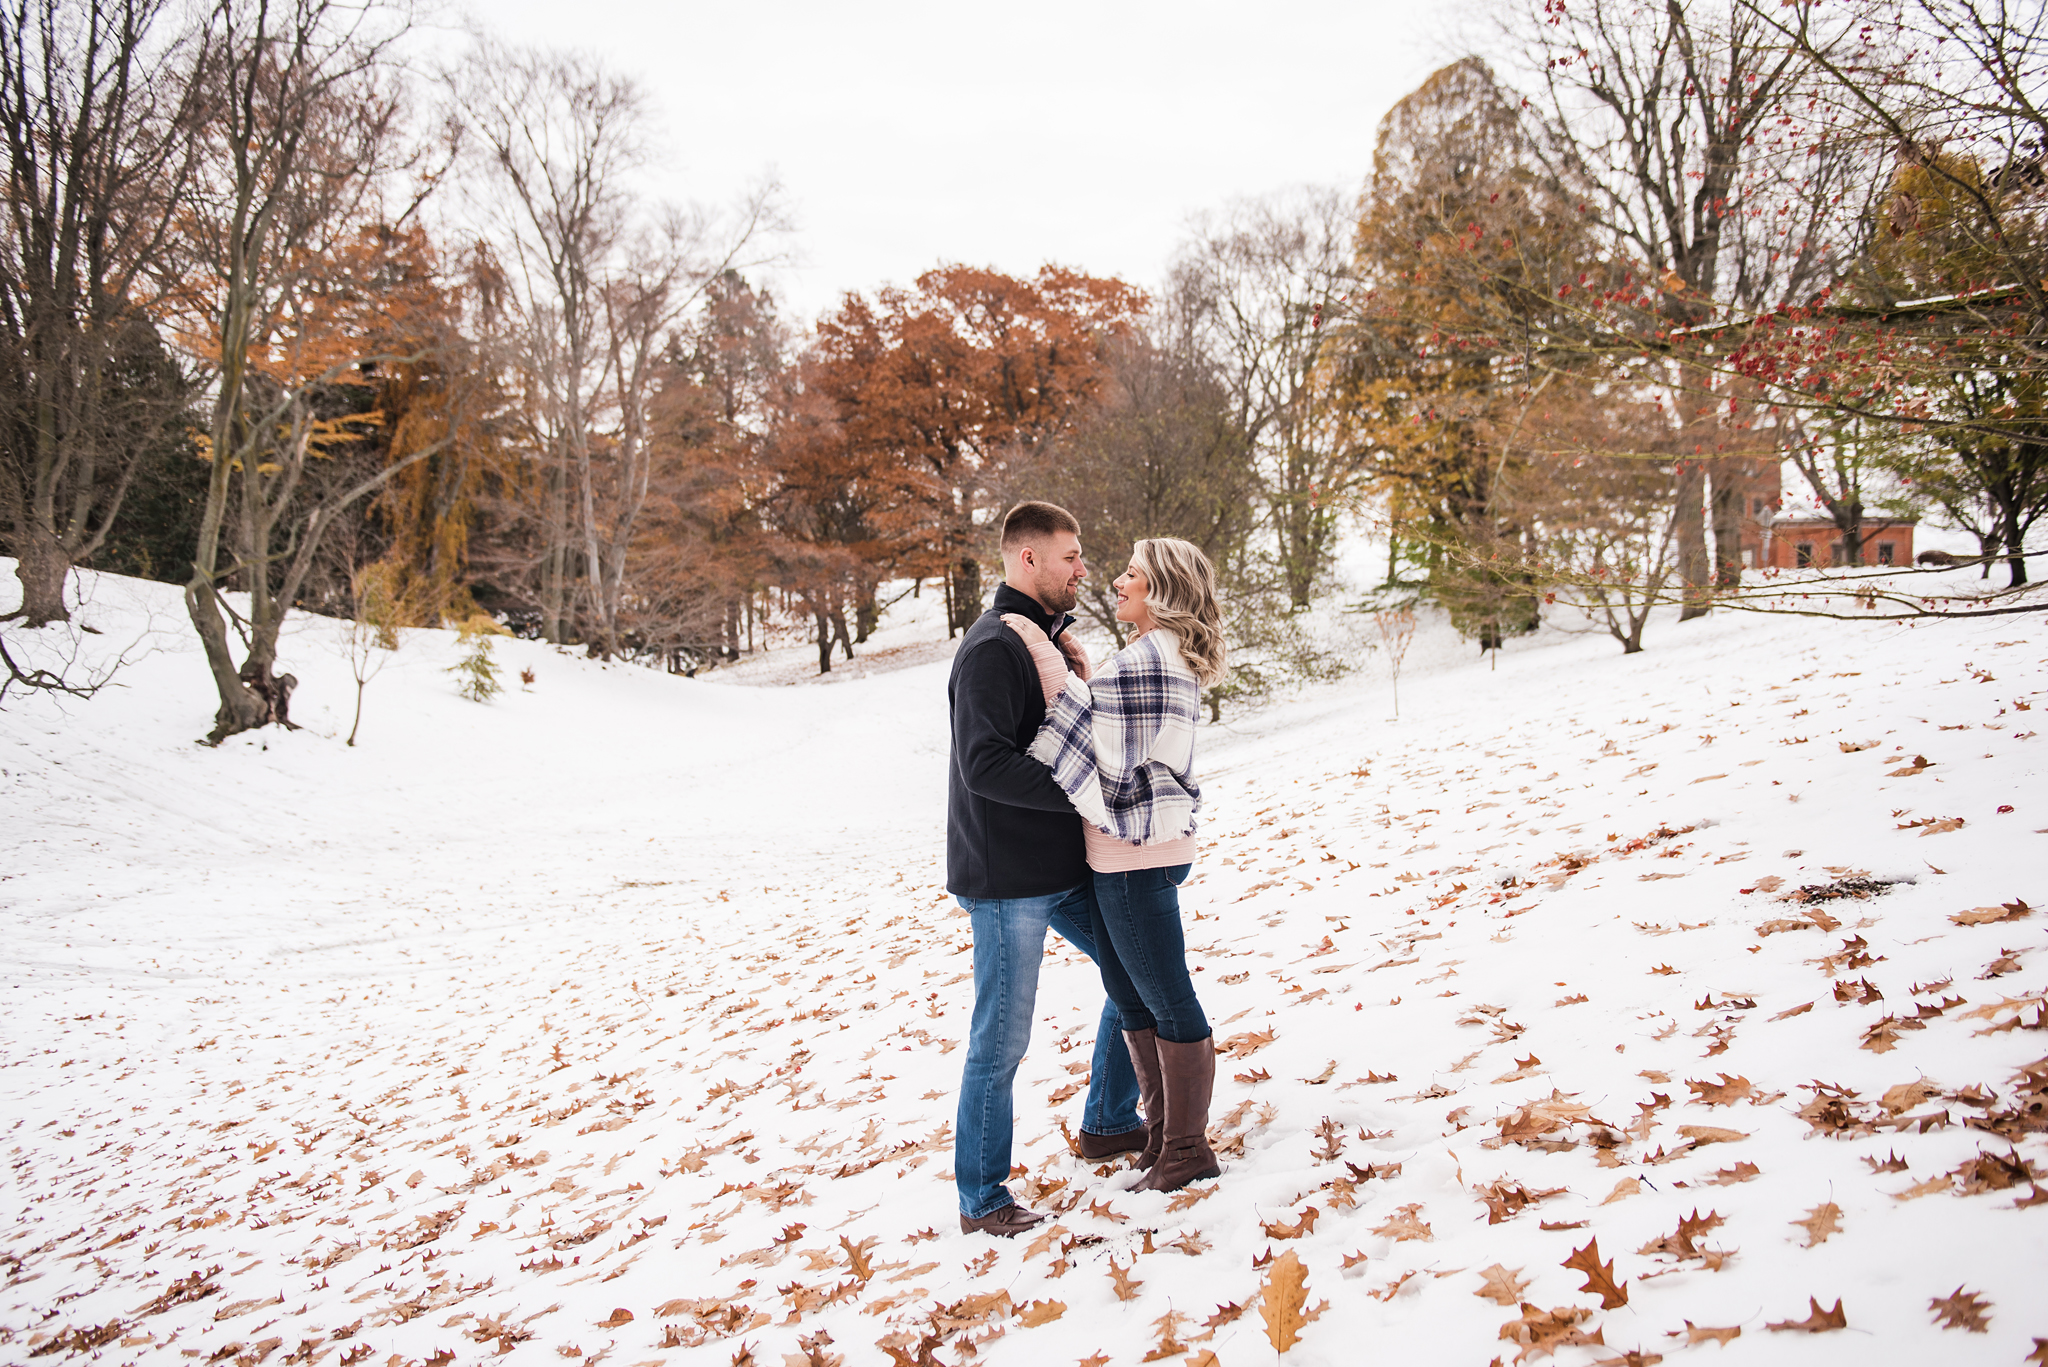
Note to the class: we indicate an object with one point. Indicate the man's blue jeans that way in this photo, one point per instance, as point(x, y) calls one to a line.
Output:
point(1009, 945)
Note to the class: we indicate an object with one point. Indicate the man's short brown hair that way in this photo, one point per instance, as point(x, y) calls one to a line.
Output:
point(1031, 521)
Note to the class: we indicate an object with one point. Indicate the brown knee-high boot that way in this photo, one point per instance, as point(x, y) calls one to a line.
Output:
point(1188, 1075)
point(1144, 1047)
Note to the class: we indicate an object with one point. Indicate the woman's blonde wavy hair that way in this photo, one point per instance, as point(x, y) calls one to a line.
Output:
point(1180, 593)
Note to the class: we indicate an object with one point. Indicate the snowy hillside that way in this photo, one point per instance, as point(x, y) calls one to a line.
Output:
point(619, 1018)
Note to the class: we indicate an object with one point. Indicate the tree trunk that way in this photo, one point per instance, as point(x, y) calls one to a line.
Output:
point(824, 620)
point(1849, 518)
point(554, 557)
point(1297, 552)
point(966, 592)
point(1728, 514)
point(42, 569)
point(865, 616)
point(1632, 643)
point(240, 709)
point(357, 724)
point(2016, 553)
point(1693, 568)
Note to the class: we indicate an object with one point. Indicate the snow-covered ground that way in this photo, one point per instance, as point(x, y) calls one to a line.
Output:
point(619, 1018)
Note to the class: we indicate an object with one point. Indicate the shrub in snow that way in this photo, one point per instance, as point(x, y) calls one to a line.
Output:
point(476, 672)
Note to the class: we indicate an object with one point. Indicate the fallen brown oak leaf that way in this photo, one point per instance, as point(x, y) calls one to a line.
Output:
point(1820, 1222)
point(1542, 1332)
point(1696, 1333)
point(1741, 1172)
point(1726, 1092)
point(813, 1352)
point(1393, 1288)
point(905, 1347)
point(1246, 1044)
point(1502, 1286)
point(1282, 1300)
point(1539, 1118)
point(1680, 1243)
point(1167, 1326)
point(1818, 1322)
point(971, 1312)
point(1046, 1238)
point(1506, 1199)
point(1599, 1276)
point(1404, 1224)
point(857, 1255)
point(1963, 1310)
point(1984, 916)
point(1303, 1226)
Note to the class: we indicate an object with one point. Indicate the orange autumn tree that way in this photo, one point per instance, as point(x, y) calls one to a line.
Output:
point(436, 401)
point(702, 553)
point(915, 403)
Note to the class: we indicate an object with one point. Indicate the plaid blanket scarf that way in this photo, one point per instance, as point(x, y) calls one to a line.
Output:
point(1122, 747)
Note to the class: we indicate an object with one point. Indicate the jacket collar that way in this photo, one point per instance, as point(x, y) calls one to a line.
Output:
point(1008, 599)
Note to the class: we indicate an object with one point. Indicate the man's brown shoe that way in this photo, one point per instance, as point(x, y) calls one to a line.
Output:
point(1097, 1146)
point(1006, 1223)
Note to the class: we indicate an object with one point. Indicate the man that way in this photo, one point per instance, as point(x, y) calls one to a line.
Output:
point(1015, 862)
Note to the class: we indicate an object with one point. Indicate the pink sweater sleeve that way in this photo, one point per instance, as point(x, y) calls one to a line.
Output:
point(1052, 668)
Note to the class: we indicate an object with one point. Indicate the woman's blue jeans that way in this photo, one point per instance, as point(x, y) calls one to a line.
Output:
point(1009, 945)
point(1144, 958)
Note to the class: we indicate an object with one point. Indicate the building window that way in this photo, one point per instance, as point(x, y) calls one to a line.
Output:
point(1748, 558)
point(1760, 505)
point(1884, 552)
point(1803, 554)
point(1839, 553)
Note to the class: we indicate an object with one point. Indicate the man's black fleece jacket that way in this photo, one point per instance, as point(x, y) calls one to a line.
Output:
point(1010, 831)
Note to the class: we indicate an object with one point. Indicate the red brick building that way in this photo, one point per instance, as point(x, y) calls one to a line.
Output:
point(1793, 543)
point(1774, 540)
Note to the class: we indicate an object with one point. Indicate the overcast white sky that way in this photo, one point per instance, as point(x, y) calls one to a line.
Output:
point(908, 133)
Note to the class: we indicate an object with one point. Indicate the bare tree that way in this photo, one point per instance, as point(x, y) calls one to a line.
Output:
point(1161, 453)
point(299, 129)
point(598, 284)
point(1396, 627)
point(1711, 164)
point(93, 110)
point(1255, 286)
point(1945, 96)
point(561, 136)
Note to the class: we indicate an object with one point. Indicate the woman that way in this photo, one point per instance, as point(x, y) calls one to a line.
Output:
point(1122, 746)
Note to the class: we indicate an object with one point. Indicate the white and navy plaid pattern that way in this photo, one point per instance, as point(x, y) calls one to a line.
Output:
point(1123, 747)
